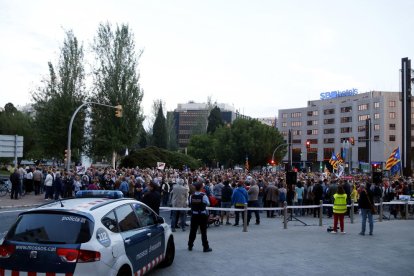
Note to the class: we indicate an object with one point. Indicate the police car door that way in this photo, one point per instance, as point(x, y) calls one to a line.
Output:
point(136, 239)
point(147, 219)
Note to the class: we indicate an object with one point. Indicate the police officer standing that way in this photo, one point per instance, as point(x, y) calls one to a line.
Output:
point(199, 217)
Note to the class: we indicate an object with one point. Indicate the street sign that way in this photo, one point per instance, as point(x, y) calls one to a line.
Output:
point(11, 146)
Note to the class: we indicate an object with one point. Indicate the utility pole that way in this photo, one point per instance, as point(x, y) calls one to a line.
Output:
point(118, 113)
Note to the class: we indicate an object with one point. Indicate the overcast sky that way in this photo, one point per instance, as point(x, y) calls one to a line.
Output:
point(259, 56)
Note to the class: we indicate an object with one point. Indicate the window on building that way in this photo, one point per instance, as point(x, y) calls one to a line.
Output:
point(392, 126)
point(346, 119)
point(412, 115)
point(329, 131)
point(284, 133)
point(296, 114)
point(327, 153)
point(376, 116)
point(376, 105)
point(392, 138)
point(376, 127)
point(284, 124)
point(296, 124)
point(363, 117)
point(313, 141)
point(346, 129)
point(329, 140)
point(284, 115)
point(296, 141)
point(296, 132)
point(312, 132)
point(329, 111)
point(346, 109)
point(392, 115)
point(363, 107)
point(361, 128)
point(391, 104)
point(376, 138)
point(362, 139)
point(313, 113)
point(329, 121)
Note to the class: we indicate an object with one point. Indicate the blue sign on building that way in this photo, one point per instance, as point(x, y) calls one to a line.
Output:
point(337, 94)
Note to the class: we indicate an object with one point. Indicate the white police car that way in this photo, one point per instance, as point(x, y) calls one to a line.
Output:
point(109, 235)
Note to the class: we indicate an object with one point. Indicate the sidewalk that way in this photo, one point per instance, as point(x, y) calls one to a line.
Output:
point(268, 249)
point(29, 200)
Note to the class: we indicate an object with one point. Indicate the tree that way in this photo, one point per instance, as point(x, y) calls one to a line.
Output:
point(214, 120)
point(202, 147)
point(14, 122)
point(172, 143)
point(55, 102)
point(159, 130)
point(116, 81)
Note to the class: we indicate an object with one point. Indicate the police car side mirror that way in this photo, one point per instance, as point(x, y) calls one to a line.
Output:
point(160, 220)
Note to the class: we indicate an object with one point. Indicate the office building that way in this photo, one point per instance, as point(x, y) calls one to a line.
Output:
point(329, 124)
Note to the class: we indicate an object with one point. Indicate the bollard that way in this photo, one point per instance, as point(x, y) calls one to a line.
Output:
point(406, 210)
point(381, 211)
point(245, 218)
point(351, 215)
point(285, 215)
point(320, 212)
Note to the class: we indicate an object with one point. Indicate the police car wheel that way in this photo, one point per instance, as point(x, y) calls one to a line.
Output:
point(169, 254)
point(124, 271)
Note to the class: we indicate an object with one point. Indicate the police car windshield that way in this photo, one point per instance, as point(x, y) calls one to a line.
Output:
point(51, 228)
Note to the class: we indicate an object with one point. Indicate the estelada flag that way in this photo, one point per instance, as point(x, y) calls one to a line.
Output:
point(161, 165)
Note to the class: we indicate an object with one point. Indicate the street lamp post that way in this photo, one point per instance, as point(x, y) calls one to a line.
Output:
point(69, 154)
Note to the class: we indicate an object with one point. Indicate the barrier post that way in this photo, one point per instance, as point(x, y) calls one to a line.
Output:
point(351, 215)
point(406, 210)
point(285, 215)
point(320, 212)
point(381, 211)
point(245, 218)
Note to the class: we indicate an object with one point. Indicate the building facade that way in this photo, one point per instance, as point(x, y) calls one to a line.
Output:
point(192, 118)
point(330, 124)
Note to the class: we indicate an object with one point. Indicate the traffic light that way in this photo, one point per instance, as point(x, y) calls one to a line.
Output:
point(272, 162)
point(308, 144)
point(67, 155)
point(351, 140)
point(118, 111)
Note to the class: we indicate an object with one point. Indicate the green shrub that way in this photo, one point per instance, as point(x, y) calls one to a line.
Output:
point(148, 158)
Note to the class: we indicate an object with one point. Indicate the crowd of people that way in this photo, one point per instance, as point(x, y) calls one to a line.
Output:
point(223, 188)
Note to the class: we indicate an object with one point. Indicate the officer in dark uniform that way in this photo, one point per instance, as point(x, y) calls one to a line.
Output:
point(199, 217)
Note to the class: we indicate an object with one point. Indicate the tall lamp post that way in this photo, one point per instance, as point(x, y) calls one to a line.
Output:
point(118, 113)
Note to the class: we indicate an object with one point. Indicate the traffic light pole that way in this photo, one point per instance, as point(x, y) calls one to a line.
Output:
point(69, 153)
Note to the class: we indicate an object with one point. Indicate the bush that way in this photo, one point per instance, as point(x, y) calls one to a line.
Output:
point(148, 158)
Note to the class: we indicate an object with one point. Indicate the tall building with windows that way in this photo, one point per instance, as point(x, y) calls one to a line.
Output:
point(329, 124)
point(192, 118)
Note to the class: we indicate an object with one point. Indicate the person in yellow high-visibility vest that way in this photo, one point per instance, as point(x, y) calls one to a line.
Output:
point(339, 209)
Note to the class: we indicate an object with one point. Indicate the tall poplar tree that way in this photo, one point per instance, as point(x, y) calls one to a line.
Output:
point(159, 130)
point(116, 81)
point(63, 92)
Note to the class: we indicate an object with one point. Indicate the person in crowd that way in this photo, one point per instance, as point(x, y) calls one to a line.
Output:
point(15, 181)
point(339, 209)
point(77, 184)
point(49, 185)
point(199, 216)
point(317, 197)
point(58, 186)
point(179, 197)
point(366, 199)
point(272, 197)
point(94, 184)
point(239, 201)
point(124, 186)
point(253, 194)
point(300, 193)
point(152, 198)
point(165, 191)
point(37, 180)
point(226, 194)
